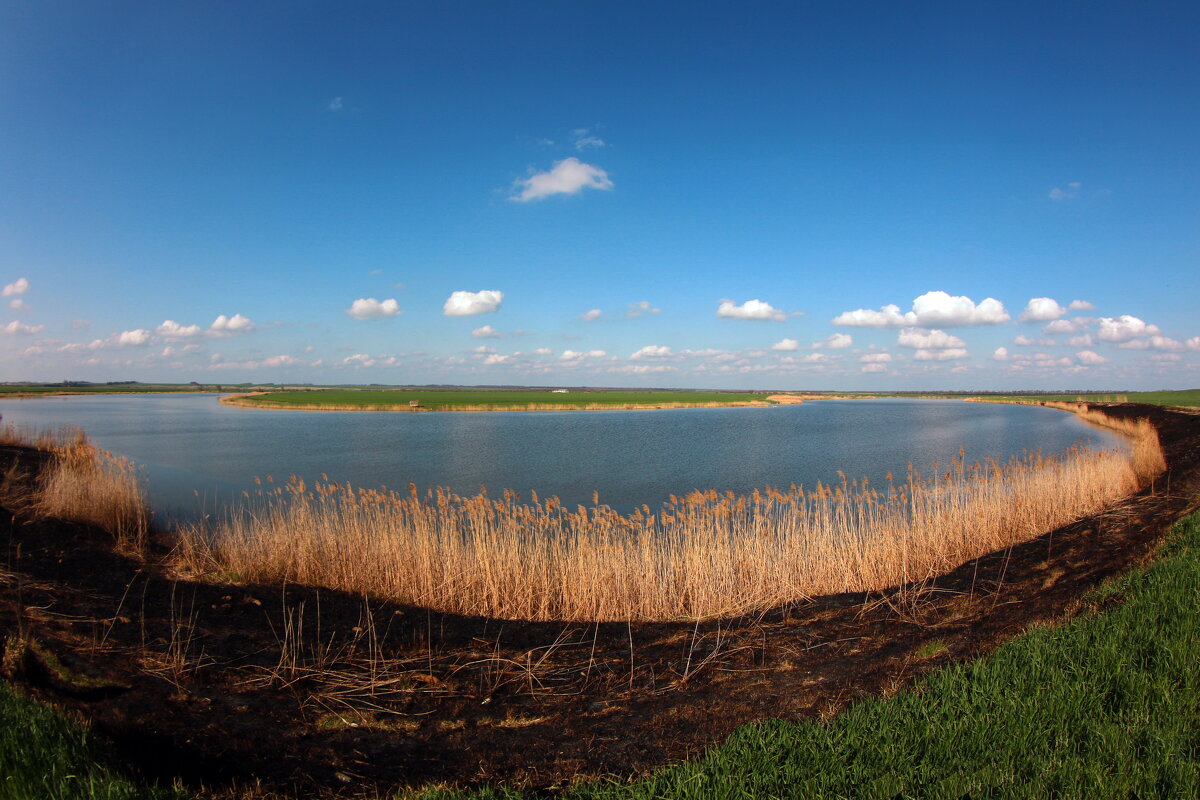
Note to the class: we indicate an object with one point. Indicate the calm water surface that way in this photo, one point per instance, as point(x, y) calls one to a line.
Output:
point(199, 455)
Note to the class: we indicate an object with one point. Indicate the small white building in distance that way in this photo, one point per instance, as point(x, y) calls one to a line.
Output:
point(559, 391)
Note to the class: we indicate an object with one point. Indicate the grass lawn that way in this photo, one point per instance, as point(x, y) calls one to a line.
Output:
point(1107, 706)
point(491, 398)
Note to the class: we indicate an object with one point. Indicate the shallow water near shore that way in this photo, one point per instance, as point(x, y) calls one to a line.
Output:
point(199, 456)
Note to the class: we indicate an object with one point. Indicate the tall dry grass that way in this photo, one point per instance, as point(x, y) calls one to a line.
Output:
point(703, 555)
point(83, 483)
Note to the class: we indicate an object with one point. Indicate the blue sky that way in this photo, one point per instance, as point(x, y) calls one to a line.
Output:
point(712, 195)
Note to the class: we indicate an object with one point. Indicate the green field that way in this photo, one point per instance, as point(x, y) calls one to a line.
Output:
point(490, 398)
point(98, 388)
point(1188, 398)
point(1107, 706)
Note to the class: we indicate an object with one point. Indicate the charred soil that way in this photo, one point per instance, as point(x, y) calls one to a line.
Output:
point(309, 691)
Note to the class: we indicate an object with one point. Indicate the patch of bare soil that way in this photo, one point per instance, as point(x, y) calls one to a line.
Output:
point(310, 692)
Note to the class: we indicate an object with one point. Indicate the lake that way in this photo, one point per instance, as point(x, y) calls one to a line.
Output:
point(199, 455)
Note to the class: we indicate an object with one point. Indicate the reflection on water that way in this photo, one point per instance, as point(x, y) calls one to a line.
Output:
point(199, 455)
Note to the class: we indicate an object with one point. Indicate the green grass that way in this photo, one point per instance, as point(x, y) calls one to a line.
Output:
point(496, 398)
point(1107, 706)
point(45, 755)
point(98, 388)
point(1183, 397)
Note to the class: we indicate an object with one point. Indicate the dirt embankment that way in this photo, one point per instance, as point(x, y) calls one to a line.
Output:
point(318, 692)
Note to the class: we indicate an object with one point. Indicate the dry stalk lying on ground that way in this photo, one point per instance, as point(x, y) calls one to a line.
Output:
point(85, 484)
point(703, 555)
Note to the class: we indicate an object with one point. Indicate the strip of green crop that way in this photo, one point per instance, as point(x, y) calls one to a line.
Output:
point(439, 398)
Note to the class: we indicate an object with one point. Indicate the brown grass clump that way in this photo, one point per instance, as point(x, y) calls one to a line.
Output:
point(85, 484)
point(703, 555)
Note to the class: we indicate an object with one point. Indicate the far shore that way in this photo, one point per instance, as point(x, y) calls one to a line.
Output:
point(244, 400)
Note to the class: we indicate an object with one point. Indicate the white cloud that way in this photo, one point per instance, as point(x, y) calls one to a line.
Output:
point(888, 316)
point(575, 355)
point(133, 338)
point(641, 307)
point(751, 310)
point(358, 360)
point(18, 304)
point(1069, 193)
point(19, 286)
point(874, 367)
point(786, 344)
point(569, 176)
point(1090, 357)
point(280, 361)
point(1000, 354)
point(1065, 325)
point(494, 359)
point(917, 337)
point(643, 369)
point(949, 354)
point(370, 308)
point(1042, 309)
point(1193, 343)
point(543, 351)
point(591, 315)
point(1124, 328)
point(1082, 341)
point(482, 349)
point(931, 308)
point(653, 351)
point(837, 341)
point(1025, 341)
point(466, 304)
point(1080, 305)
point(939, 308)
point(875, 358)
point(584, 139)
point(16, 327)
point(223, 325)
point(1166, 358)
point(486, 332)
point(172, 330)
point(335, 104)
point(810, 358)
point(1153, 343)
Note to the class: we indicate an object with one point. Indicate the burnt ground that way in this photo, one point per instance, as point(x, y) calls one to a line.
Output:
point(304, 692)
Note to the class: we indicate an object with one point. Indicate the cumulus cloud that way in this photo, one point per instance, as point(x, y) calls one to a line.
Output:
point(750, 310)
point(543, 351)
point(1065, 325)
point(370, 308)
point(569, 176)
point(16, 327)
point(495, 358)
point(486, 332)
point(837, 341)
point(1025, 341)
point(920, 338)
point(1153, 343)
point(786, 344)
point(1123, 328)
point(224, 325)
point(358, 360)
point(17, 304)
point(575, 355)
point(19, 286)
point(335, 104)
point(874, 367)
point(652, 351)
point(1089, 357)
point(1080, 305)
point(466, 304)
point(584, 140)
point(133, 338)
point(1166, 358)
point(1085, 340)
point(641, 307)
point(172, 330)
point(1070, 192)
point(931, 308)
point(1000, 354)
point(875, 358)
point(1193, 343)
point(949, 354)
point(1042, 309)
point(591, 315)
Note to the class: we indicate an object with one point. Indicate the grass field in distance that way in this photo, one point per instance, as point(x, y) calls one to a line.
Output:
point(442, 398)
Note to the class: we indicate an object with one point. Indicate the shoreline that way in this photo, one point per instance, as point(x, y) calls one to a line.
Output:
point(241, 400)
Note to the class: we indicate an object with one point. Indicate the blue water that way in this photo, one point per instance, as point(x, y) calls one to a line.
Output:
point(198, 455)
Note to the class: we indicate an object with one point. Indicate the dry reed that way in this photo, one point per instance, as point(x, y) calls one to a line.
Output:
point(703, 555)
point(84, 484)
